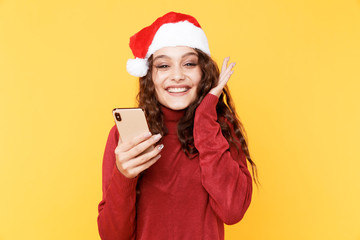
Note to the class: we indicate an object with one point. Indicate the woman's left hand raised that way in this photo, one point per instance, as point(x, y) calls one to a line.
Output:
point(226, 72)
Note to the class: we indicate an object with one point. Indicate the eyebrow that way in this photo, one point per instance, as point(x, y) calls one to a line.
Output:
point(185, 55)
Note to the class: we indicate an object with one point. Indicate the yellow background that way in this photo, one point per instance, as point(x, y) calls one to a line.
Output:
point(296, 89)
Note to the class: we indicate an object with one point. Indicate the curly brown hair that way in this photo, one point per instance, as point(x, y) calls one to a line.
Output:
point(225, 110)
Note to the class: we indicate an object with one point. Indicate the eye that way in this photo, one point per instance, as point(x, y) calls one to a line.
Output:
point(190, 64)
point(162, 66)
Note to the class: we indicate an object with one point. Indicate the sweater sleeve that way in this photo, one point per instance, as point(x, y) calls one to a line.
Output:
point(117, 211)
point(224, 172)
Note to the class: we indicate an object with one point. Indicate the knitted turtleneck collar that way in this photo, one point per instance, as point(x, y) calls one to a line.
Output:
point(171, 118)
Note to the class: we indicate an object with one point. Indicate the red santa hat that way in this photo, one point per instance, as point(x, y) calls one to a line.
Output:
point(172, 29)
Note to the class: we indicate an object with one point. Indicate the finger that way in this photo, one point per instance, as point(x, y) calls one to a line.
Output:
point(142, 146)
point(134, 166)
point(230, 67)
point(148, 156)
point(225, 79)
point(137, 170)
point(143, 158)
point(126, 146)
point(224, 65)
point(226, 69)
point(133, 172)
point(227, 73)
point(127, 159)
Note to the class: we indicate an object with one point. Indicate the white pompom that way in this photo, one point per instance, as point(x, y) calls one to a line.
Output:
point(137, 67)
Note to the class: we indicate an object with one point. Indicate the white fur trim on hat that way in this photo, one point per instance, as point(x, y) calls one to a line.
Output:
point(137, 67)
point(179, 34)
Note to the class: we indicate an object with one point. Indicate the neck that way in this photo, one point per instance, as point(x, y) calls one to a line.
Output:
point(171, 118)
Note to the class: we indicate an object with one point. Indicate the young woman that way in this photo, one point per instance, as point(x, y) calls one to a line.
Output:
point(196, 177)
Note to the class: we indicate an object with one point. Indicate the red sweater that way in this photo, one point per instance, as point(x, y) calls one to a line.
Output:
point(177, 197)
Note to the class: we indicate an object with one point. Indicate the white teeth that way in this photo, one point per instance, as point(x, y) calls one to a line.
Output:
point(177, 90)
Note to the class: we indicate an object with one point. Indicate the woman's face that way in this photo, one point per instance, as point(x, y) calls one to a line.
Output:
point(176, 76)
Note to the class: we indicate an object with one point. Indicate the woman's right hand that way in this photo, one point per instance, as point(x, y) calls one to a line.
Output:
point(128, 159)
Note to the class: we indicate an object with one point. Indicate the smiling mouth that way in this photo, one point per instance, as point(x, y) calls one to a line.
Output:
point(177, 90)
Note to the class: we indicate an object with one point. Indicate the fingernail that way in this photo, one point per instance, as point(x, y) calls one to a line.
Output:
point(157, 136)
point(148, 134)
point(161, 146)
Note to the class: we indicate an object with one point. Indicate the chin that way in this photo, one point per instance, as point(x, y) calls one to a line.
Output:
point(177, 106)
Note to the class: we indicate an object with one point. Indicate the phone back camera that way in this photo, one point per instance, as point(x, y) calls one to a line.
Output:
point(118, 117)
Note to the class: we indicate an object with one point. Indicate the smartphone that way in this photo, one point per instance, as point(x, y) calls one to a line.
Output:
point(130, 122)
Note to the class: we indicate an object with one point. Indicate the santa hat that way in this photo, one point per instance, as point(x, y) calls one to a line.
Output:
point(172, 29)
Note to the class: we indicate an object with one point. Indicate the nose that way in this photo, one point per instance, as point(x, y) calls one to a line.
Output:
point(177, 73)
